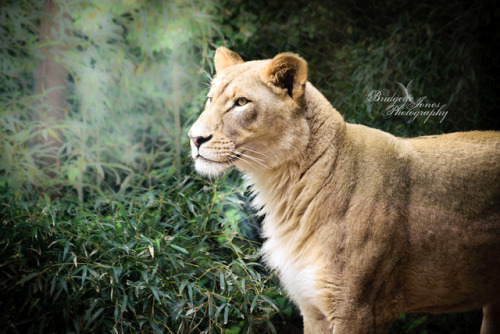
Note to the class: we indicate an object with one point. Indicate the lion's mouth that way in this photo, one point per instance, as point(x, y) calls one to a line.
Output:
point(229, 159)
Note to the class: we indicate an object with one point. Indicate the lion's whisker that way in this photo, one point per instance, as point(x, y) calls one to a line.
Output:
point(293, 146)
point(232, 157)
point(247, 149)
point(257, 160)
point(281, 163)
point(248, 162)
point(236, 157)
point(226, 158)
point(249, 156)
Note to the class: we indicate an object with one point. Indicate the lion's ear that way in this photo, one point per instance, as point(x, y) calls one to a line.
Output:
point(225, 58)
point(288, 71)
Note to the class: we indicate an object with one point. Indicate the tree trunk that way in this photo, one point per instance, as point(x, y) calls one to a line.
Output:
point(51, 80)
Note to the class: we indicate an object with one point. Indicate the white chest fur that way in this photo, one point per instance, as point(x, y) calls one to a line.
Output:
point(298, 273)
point(298, 268)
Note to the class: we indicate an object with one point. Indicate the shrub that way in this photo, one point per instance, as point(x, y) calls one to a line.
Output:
point(169, 259)
point(118, 234)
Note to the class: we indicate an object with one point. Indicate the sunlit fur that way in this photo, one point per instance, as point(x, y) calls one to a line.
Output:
point(360, 225)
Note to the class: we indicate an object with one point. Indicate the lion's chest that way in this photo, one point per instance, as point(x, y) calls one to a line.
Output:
point(298, 273)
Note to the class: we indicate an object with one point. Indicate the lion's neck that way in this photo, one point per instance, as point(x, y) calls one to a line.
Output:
point(283, 193)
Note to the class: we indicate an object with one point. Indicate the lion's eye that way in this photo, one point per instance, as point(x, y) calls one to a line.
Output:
point(241, 101)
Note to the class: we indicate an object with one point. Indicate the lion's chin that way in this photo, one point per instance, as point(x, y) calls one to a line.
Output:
point(209, 168)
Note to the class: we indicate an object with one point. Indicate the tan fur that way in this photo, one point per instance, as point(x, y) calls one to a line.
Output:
point(359, 224)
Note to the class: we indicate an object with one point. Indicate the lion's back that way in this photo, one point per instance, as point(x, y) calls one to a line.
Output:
point(459, 172)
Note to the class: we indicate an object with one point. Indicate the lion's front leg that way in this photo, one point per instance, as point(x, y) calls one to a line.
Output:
point(317, 326)
point(362, 319)
point(315, 321)
point(359, 326)
point(491, 319)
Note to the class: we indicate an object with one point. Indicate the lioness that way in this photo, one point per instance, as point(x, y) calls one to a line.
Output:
point(360, 225)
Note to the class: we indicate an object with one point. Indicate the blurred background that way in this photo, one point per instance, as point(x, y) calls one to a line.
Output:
point(105, 227)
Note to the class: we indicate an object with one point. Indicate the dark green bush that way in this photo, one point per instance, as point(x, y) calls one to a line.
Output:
point(445, 48)
point(119, 235)
point(166, 260)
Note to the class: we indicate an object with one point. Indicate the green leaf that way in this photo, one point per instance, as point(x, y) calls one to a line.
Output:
point(84, 274)
point(222, 281)
point(27, 278)
point(155, 327)
point(254, 303)
point(417, 322)
point(271, 302)
point(235, 329)
point(96, 314)
point(155, 293)
point(180, 249)
point(226, 314)
point(53, 285)
point(219, 310)
point(124, 303)
point(66, 248)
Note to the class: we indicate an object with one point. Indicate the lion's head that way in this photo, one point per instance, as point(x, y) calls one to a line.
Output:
point(253, 118)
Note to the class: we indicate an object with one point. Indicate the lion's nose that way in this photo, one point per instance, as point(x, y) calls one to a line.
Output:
point(197, 141)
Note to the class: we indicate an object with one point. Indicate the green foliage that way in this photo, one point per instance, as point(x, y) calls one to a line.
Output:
point(353, 47)
point(119, 235)
point(160, 261)
point(134, 78)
